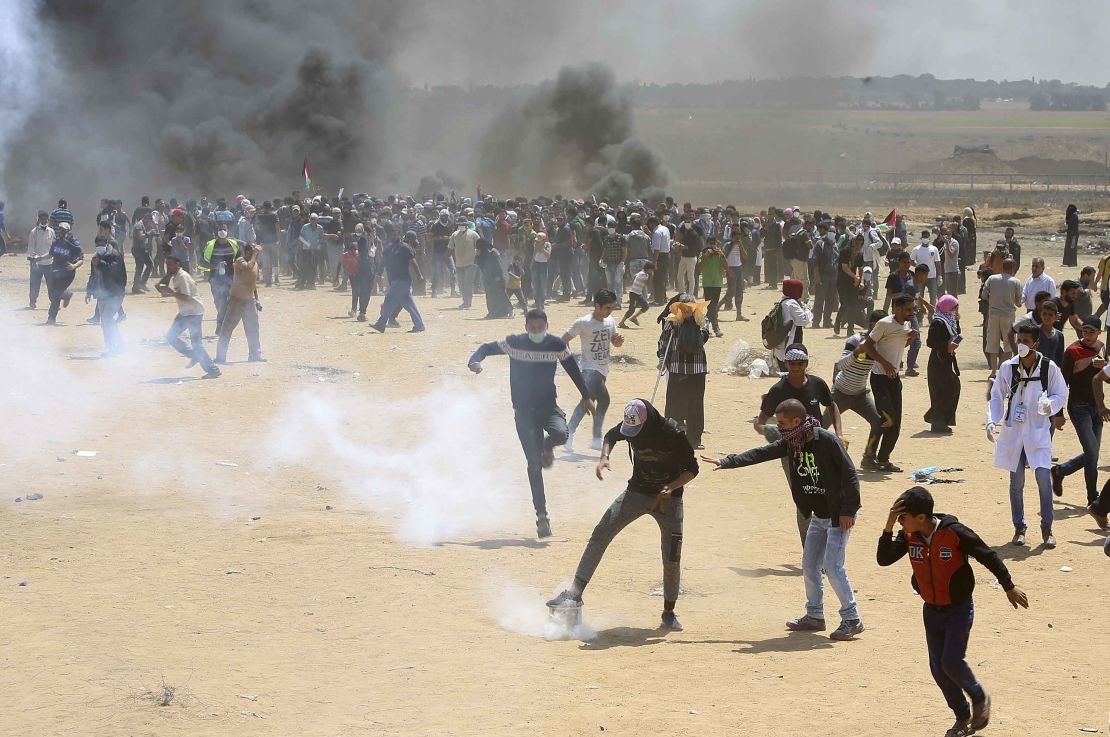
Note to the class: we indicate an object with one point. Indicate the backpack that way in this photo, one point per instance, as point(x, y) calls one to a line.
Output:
point(1016, 378)
point(774, 329)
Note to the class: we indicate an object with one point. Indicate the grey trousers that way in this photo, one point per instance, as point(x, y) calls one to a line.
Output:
point(863, 404)
point(628, 507)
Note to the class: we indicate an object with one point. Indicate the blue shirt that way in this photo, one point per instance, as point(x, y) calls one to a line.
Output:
point(312, 236)
point(485, 227)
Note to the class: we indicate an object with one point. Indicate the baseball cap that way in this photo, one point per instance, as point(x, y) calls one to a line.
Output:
point(635, 415)
point(1092, 322)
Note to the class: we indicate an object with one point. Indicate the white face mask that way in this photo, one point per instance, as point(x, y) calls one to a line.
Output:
point(1023, 350)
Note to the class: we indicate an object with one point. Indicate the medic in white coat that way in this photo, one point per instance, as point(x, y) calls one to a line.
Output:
point(1023, 425)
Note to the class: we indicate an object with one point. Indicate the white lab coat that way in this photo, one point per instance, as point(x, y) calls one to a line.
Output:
point(1034, 436)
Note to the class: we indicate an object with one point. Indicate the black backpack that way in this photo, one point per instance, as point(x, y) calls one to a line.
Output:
point(1016, 378)
point(773, 329)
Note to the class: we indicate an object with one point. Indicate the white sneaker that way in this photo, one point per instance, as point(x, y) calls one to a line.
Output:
point(596, 444)
point(569, 446)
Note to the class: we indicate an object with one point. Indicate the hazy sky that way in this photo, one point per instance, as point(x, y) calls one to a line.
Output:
point(709, 40)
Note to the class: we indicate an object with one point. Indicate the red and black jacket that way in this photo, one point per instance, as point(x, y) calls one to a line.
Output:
point(941, 568)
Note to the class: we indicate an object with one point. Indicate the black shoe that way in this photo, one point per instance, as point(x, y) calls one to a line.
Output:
point(669, 621)
point(378, 327)
point(212, 373)
point(361, 318)
point(565, 598)
point(912, 373)
point(543, 526)
point(887, 467)
point(417, 330)
point(940, 429)
point(1057, 481)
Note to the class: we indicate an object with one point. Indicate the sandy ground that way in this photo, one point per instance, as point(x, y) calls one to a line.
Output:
point(268, 613)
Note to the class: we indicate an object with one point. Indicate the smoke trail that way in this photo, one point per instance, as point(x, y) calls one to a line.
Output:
point(577, 128)
point(522, 610)
point(418, 464)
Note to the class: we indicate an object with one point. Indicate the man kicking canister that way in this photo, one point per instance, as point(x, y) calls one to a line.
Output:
point(663, 463)
point(532, 358)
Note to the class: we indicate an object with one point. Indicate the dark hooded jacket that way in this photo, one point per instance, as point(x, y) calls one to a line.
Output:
point(660, 453)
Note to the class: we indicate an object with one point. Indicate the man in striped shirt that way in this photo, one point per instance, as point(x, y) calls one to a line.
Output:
point(540, 423)
point(851, 380)
point(61, 214)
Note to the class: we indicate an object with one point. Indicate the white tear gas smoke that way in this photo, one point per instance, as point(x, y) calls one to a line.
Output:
point(418, 463)
point(522, 610)
point(22, 58)
point(208, 95)
point(577, 127)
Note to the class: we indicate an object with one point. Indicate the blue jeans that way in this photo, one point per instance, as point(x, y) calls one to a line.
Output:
point(109, 306)
point(947, 629)
point(824, 549)
point(599, 392)
point(915, 347)
point(539, 429)
point(196, 351)
point(614, 278)
point(1088, 426)
point(221, 293)
point(399, 297)
point(539, 283)
point(1017, 497)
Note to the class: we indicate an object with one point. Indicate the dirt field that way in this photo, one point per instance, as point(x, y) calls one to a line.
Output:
point(295, 593)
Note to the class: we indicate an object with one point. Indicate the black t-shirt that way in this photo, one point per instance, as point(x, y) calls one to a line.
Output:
point(441, 234)
point(814, 394)
point(1063, 312)
point(596, 237)
point(265, 227)
point(65, 252)
point(845, 258)
point(693, 240)
point(398, 255)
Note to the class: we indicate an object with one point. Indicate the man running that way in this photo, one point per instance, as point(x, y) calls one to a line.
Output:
point(597, 330)
point(540, 423)
point(190, 314)
point(662, 464)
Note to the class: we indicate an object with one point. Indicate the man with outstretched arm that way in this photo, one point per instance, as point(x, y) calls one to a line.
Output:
point(825, 488)
point(663, 463)
point(540, 423)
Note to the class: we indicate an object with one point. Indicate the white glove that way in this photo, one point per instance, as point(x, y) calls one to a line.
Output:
point(1044, 405)
point(990, 431)
point(1106, 369)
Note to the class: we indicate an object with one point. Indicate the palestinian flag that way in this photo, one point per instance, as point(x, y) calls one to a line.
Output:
point(890, 219)
point(307, 176)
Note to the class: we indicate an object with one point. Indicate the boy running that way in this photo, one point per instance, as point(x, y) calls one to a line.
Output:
point(939, 548)
point(597, 330)
point(636, 299)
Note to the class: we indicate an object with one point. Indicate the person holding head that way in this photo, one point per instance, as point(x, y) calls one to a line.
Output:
point(943, 374)
point(540, 423)
point(190, 313)
point(940, 549)
point(1028, 391)
point(1083, 360)
point(662, 464)
point(825, 488)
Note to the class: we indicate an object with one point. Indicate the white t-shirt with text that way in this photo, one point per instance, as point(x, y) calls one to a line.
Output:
point(596, 336)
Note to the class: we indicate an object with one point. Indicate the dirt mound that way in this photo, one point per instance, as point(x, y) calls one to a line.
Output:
point(977, 163)
point(1039, 166)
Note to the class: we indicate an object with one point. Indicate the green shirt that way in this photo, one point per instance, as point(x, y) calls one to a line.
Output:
point(712, 270)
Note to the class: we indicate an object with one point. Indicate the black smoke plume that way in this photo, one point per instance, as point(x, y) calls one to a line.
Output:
point(575, 129)
point(205, 96)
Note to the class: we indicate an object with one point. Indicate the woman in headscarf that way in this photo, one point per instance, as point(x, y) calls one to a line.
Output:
point(682, 350)
point(943, 373)
point(1071, 244)
point(493, 279)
